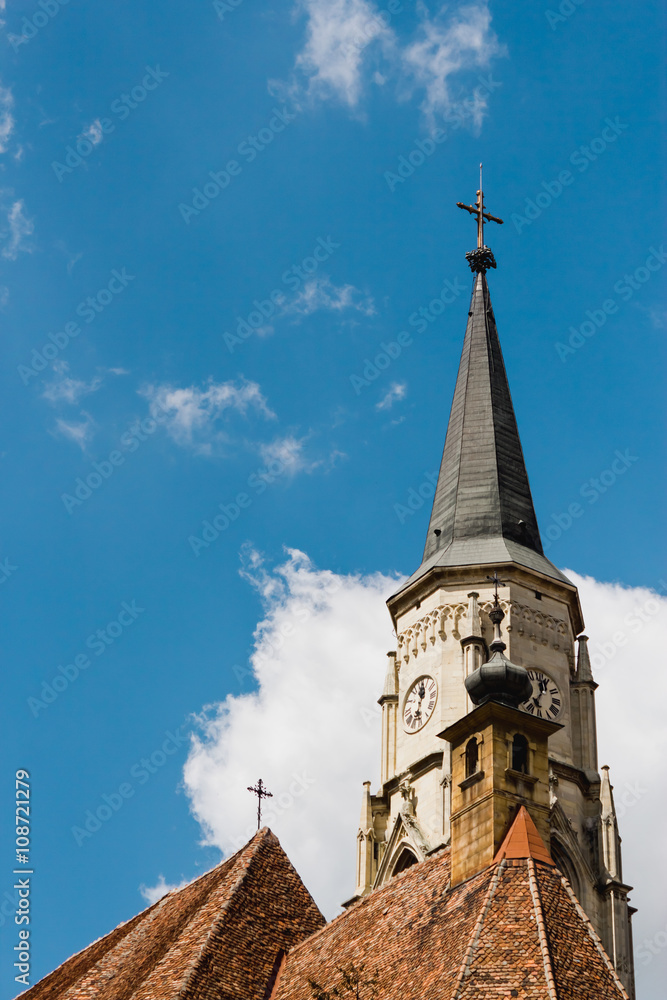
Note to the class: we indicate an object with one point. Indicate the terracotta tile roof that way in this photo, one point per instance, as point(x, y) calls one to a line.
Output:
point(514, 930)
point(249, 930)
point(219, 938)
point(523, 841)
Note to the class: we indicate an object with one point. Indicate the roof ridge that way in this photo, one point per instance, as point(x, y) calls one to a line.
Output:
point(477, 930)
point(541, 930)
point(254, 844)
point(593, 934)
point(471, 319)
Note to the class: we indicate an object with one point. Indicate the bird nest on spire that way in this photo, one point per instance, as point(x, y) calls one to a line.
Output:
point(481, 259)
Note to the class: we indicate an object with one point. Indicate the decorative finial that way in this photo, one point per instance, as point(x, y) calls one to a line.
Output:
point(480, 259)
point(260, 791)
point(496, 614)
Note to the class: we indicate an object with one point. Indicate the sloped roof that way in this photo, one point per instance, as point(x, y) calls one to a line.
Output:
point(513, 930)
point(523, 841)
point(483, 509)
point(219, 938)
point(249, 930)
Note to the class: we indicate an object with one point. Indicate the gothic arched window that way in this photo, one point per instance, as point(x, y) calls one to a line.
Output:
point(406, 859)
point(472, 757)
point(520, 753)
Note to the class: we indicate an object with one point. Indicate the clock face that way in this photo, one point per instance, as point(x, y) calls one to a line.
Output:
point(419, 704)
point(546, 701)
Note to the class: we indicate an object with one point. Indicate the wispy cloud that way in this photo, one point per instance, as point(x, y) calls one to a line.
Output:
point(93, 133)
point(287, 451)
point(193, 416)
point(338, 36)
point(6, 116)
point(350, 43)
point(320, 293)
point(70, 390)
point(153, 893)
point(445, 46)
point(397, 391)
point(18, 229)
point(80, 433)
point(66, 389)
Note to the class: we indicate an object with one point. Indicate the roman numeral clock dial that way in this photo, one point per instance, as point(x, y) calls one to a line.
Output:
point(419, 704)
point(546, 700)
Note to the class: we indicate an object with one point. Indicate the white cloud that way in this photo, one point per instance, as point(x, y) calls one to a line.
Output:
point(192, 416)
point(311, 729)
point(80, 433)
point(442, 49)
point(93, 133)
point(338, 35)
point(6, 117)
point(351, 42)
point(152, 893)
point(70, 390)
point(19, 229)
point(287, 452)
point(66, 389)
point(4, 296)
point(628, 635)
point(320, 293)
point(304, 731)
point(397, 391)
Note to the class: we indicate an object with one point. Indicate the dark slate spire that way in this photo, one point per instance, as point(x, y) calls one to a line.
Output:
point(483, 489)
point(483, 509)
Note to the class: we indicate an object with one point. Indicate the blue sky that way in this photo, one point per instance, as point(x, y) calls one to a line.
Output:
point(211, 348)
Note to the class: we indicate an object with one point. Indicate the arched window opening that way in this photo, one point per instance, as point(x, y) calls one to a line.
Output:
point(472, 757)
point(406, 859)
point(565, 865)
point(520, 753)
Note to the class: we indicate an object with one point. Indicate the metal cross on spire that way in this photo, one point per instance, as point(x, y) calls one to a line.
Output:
point(480, 259)
point(497, 582)
point(260, 791)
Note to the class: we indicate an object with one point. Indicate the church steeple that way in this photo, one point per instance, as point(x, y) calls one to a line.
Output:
point(482, 492)
point(483, 509)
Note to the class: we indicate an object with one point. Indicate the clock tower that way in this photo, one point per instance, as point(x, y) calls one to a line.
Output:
point(484, 580)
